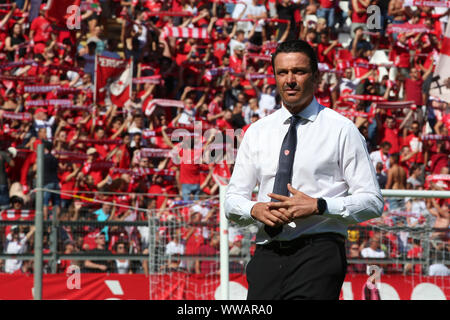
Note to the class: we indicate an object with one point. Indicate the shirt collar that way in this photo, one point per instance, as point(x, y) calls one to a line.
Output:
point(309, 113)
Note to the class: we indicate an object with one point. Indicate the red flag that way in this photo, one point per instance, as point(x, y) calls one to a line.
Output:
point(57, 11)
point(113, 79)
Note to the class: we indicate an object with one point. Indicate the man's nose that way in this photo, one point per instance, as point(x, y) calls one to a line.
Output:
point(290, 80)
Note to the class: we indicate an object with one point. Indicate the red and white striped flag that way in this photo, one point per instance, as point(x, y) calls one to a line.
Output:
point(114, 78)
point(427, 3)
point(150, 107)
point(178, 32)
point(441, 87)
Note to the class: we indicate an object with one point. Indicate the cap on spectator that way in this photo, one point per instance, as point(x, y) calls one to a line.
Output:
point(238, 47)
point(91, 151)
point(39, 110)
point(12, 151)
point(238, 238)
point(196, 208)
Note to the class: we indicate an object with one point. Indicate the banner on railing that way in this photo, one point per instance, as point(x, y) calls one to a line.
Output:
point(182, 286)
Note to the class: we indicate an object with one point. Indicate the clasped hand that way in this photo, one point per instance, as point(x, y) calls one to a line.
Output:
point(273, 214)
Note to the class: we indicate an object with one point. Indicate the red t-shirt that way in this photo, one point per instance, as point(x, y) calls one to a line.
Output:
point(400, 55)
point(415, 143)
point(438, 161)
point(42, 31)
point(214, 108)
point(89, 239)
point(156, 189)
point(413, 91)
point(391, 135)
point(66, 186)
point(327, 3)
point(189, 171)
point(329, 57)
point(194, 242)
point(359, 17)
point(220, 48)
point(236, 64)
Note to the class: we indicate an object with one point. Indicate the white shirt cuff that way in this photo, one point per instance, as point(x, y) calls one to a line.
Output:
point(247, 209)
point(335, 206)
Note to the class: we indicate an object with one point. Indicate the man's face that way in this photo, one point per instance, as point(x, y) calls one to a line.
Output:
point(189, 104)
point(100, 240)
point(143, 163)
point(227, 116)
point(414, 73)
point(390, 123)
point(348, 73)
point(42, 134)
point(100, 133)
point(295, 80)
point(415, 128)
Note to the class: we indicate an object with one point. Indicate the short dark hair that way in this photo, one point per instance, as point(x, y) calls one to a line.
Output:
point(297, 46)
point(385, 143)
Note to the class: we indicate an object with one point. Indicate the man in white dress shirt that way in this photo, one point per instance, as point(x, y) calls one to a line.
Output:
point(331, 183)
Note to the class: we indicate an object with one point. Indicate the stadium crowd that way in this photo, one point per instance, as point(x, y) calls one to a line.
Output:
point(213, 57)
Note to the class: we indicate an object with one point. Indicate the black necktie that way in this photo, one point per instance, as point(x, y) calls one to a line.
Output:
point(284, 173)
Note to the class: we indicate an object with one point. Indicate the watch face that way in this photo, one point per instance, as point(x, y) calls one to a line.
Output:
point(322, 205)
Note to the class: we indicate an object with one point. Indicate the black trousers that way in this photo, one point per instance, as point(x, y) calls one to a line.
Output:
point(308, 269)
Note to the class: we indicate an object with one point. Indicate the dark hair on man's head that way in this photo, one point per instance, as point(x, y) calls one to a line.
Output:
point(297, 46)
point(385, 143)
point(395, 157)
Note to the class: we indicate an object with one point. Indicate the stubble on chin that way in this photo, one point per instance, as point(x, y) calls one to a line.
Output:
point(297, 106)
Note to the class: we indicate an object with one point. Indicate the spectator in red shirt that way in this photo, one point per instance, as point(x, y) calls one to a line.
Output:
point(415, 143)
point(224, 123)
point(359, 15)
point(208, 267)
point(40, 31)
point(389, 132)
point(414, 253)
point(414, 84)
point(400, 54)
point(215, 108)
point(439, 160)
point(326, 51)
point(237, 58)
point(189, 155)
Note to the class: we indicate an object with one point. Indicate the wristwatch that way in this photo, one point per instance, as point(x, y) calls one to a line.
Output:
point(321, 206)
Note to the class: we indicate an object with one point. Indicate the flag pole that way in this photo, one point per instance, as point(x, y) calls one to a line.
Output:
point(131, 77)
point(95, 79)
